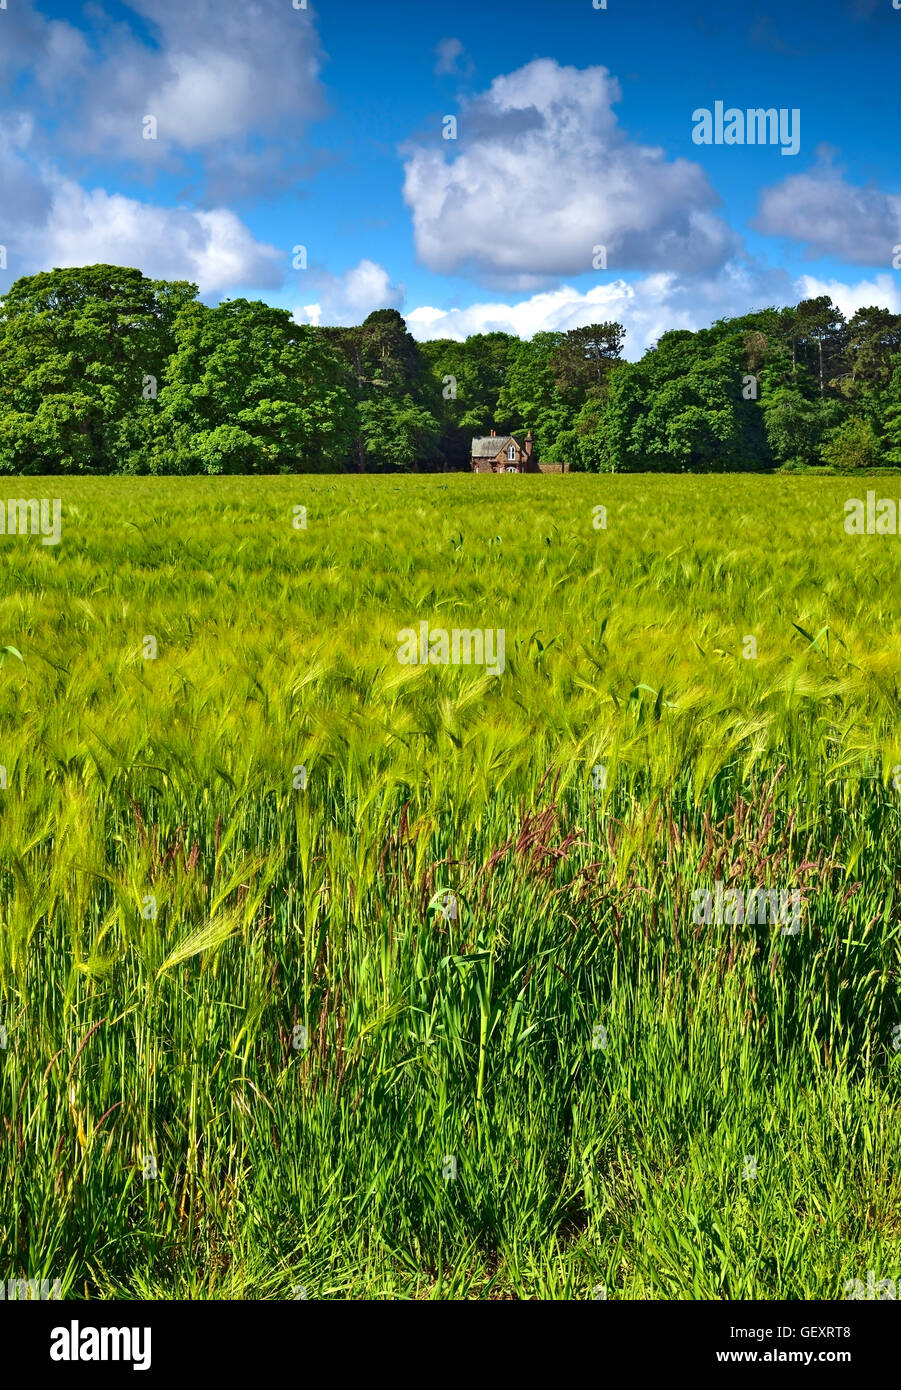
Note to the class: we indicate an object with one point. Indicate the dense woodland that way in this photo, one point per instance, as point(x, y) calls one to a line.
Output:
point(105, 371)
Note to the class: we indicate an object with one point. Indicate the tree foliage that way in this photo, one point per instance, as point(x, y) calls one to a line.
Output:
point(103, 370)
point(75, 349)
point(250, 391)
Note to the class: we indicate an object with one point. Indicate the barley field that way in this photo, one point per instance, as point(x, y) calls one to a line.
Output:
point(323, 975)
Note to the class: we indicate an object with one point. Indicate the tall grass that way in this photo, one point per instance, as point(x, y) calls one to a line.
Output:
point(346, 1089)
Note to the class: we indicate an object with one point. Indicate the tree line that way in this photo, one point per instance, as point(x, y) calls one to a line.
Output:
point(103, 370)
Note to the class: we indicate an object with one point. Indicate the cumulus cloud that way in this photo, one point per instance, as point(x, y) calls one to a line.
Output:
point(47, 48)
point(647, 307)
point(24, 197)
point(832, 217)
point(216, 78)
point(882, 290)
point(652, 305)
point(543, 174)
point(213, 248)
point(50, 220)
point(349, 298)
point(231, 84)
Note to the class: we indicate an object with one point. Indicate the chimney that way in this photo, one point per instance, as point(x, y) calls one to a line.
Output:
point(528, 448)
point(493, 433)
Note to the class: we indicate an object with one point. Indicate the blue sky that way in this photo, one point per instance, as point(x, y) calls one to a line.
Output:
point(322, 127)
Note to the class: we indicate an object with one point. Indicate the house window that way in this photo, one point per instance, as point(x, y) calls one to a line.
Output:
point(511, 453)
point(510, 470)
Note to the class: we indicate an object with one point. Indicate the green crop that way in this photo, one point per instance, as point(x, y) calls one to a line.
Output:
point(434, 1017)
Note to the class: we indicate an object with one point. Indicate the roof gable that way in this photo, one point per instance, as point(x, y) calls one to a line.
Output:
point(491, 445)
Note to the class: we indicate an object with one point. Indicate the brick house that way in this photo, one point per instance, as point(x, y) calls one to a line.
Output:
point(502, 453)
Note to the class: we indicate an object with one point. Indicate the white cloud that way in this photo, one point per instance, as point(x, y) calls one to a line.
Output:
point(832, 217)
point(47, 48)
point(216, 78)
point(349, 298)
point(647, 307)
point(213, 248)
point(50, 220)
point(882, 290)
point(542, 174)
point(24, 197)
point(219, 71)
point(653, 305)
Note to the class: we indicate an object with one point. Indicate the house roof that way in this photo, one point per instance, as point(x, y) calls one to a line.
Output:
point(491, 445)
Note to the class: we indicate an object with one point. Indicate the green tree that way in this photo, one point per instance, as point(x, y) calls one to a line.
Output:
point(682, 406)
point(872, 339)
point(853, 444)
point(889, 417)
point(397, 433)
point(822, 330)
point(386, 362)
point(80, 351)
point(591, 447)
point(467, 378)
point(529, 398)
point(249, 390)
point(582, 362)
point(796, 428)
